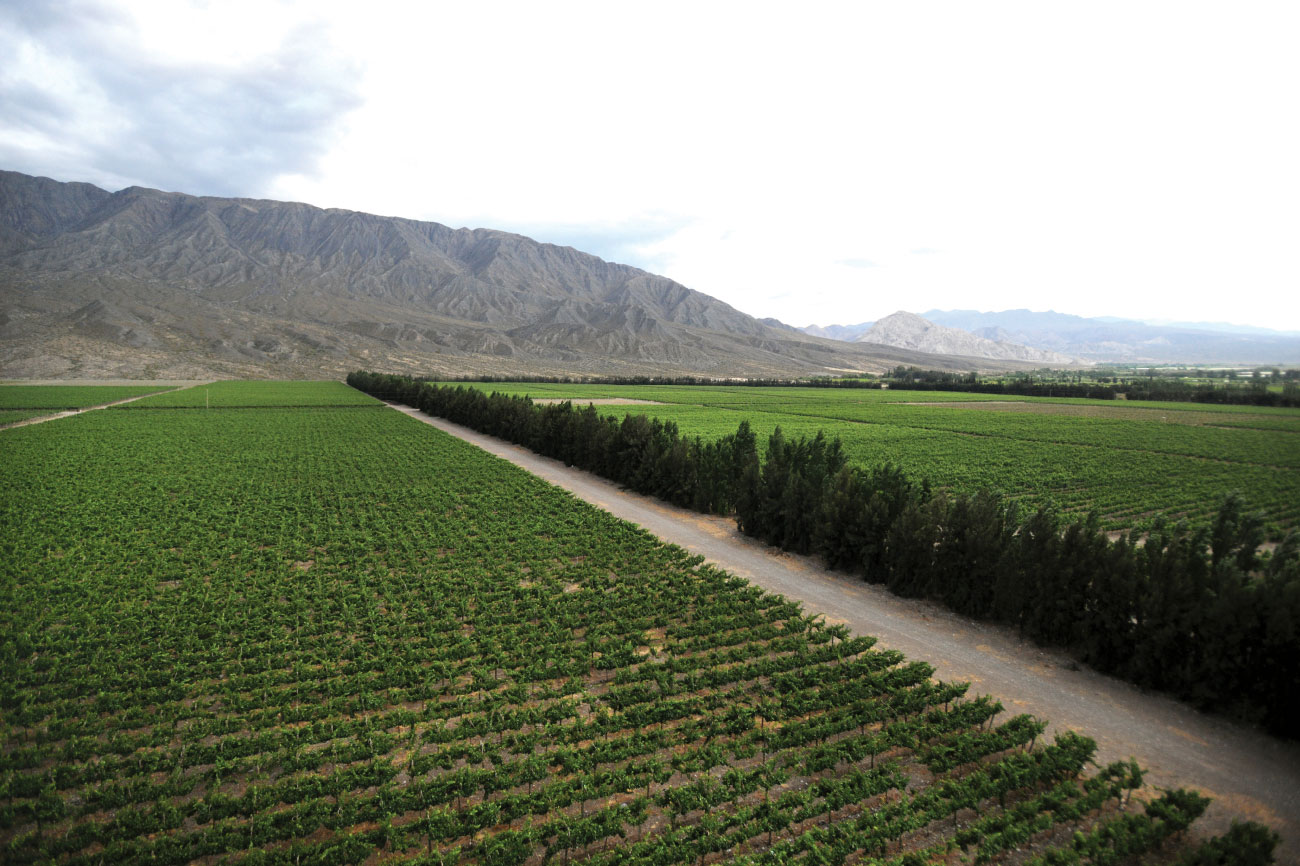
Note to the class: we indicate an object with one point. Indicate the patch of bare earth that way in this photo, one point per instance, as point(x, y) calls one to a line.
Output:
point(596, 401)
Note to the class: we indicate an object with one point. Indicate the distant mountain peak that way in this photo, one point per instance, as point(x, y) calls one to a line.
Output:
point(847, 333)
point(906, 330)
point(1119, 340)
point(1108, 339)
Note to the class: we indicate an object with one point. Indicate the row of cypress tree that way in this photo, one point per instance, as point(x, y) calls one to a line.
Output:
point(1253, 393)
point(1194, 611)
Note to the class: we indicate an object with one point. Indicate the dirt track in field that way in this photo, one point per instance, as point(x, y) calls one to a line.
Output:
point(1251, 775)
point(67, 413)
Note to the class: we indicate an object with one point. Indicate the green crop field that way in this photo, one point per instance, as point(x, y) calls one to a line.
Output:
point(240, 394)
point(329, 634)
point(1127, 461)
point(56, 397)
point(12, 416)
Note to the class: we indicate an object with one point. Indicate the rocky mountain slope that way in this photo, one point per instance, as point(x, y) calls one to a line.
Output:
point(909, 331)
point(847, 333)
point(148, 283)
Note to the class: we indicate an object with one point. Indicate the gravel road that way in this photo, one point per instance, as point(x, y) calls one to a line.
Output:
point(1249, 774)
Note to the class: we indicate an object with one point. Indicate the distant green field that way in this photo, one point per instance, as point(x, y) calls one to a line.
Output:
point(55, 397)
point(1127, 461)
point(708, 395)
point(239, 394)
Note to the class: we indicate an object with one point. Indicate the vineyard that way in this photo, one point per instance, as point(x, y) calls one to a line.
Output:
point(54, 397)
point(1126, 461)
point(20, 402)
point(327, 634)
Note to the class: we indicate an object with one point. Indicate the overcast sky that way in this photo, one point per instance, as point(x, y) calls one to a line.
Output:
point(826, 163)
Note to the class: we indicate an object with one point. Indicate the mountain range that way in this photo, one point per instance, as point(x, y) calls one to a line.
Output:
point(909, 331)
point(1106, 339)
point(140, 283)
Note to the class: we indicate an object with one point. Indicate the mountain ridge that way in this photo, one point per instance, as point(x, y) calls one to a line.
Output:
point(1108, 339)
point(906, 330)
point(147, 282)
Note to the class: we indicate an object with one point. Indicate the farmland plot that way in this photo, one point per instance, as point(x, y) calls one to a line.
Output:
point(330, 635)
point(258, 394)
point(55, 397)
point(25, 402)
point(12, 416)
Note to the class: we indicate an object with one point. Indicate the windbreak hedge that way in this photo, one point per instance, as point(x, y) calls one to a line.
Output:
point(1200, 613)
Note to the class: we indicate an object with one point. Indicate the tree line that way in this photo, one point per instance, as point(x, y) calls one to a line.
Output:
point(1252, 393)
point(916, 379)
point(1198, 612)
point(694, 381)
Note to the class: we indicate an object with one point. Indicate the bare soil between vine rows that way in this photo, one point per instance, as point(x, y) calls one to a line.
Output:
point(1250, 775)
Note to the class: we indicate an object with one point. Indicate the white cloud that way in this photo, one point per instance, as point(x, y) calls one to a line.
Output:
point(140, 95)
point(1112, 158)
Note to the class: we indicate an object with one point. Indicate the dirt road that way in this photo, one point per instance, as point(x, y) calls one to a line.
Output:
point(1249, 774)
point(67, 413)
